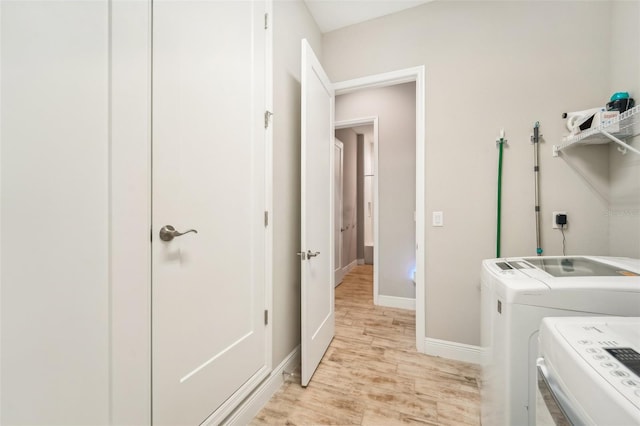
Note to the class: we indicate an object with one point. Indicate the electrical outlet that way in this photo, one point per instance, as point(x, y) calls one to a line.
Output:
point(554, 225)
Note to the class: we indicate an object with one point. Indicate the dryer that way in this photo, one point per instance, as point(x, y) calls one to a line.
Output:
point(516, 293)
point(589, 371)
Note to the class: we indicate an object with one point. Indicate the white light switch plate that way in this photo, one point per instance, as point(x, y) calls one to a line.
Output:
point(438, 219)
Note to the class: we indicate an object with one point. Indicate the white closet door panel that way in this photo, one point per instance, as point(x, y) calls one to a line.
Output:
point(54, 212)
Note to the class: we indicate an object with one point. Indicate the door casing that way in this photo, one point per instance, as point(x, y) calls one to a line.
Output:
point(339, 200)
point(417, 75)
point(373, 121)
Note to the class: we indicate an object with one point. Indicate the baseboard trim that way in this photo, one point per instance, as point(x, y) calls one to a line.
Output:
point(340, 274)
point(252, 405)
point(396, 302)
point(452, 350)
point(349, 267)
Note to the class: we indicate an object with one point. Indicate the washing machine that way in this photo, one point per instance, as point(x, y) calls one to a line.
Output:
point(589, 371)
point(516, 294)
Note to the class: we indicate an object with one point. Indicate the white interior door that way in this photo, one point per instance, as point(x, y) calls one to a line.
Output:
point(338, 183)
point(209, 342)
point(317, 304)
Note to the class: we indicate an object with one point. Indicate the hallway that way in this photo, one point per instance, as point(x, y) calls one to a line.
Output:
point(372, 375)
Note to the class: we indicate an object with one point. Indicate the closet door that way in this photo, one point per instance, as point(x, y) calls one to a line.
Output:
point(54, 208)
point(209, 337)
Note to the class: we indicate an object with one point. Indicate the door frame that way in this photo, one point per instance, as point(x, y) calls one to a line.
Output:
point(407, 75)
point(368, 121)
point(130, 276)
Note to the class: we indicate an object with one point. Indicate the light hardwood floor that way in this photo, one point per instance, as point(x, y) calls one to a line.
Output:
point(372, 374)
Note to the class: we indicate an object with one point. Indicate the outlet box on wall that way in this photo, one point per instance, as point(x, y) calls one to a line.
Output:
point(554, 225)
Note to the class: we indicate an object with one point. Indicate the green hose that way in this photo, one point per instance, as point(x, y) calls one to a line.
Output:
point(501, 142)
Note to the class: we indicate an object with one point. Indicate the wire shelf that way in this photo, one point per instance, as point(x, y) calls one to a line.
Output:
point(626, 125)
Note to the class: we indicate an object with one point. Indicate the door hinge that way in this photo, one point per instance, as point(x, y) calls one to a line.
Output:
point(267, 115)
point(266, 219)
point(266, 21)
point(266, 317)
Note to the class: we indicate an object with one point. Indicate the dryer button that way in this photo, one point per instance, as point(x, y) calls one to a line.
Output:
point(619, 373)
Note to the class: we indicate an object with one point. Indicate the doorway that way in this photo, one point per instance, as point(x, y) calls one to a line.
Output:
point(355, 156)
point(338, 222)
point(411, 272)
point(359, 219)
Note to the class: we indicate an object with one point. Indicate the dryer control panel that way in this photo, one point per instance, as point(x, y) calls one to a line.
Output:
point(611, 350)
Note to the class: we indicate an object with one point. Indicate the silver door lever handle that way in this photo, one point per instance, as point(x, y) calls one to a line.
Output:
point(168, 233)
point(311, 254)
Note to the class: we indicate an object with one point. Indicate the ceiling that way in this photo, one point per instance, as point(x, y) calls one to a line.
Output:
point(333, 14)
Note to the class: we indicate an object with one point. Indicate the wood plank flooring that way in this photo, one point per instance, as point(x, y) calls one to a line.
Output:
point(372, 374)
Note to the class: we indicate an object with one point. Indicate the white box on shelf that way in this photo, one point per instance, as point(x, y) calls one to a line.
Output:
point(606, 117)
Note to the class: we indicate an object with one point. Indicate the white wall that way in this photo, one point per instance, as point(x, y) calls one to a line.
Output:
point(624, 170)
point(55, 200)
point(395, 107)
point(292, 22)
point(493, 65)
